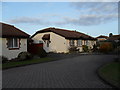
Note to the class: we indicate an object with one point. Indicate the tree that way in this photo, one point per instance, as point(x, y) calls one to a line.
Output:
point(110, 35)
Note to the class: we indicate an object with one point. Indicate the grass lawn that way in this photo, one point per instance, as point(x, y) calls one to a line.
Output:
point(26, 62)
point(111, 73)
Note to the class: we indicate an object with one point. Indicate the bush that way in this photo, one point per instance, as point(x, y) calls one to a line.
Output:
point(85, 48)
point(41, 52)
point(117, 51)
point(106, 47)
point(73, 49)
point(95, 49)
point(4, 59)
point(24, 56)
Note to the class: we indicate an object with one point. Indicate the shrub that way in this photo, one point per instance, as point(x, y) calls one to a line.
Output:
point(24, 56)
point(41, 52)
point(4, 59)
point(106, 47)
point(73, 49)
point(95, 49)
point(117, 50)
point(85, 48)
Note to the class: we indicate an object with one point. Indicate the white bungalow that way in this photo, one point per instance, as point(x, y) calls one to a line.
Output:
point(13, 41)
point(60, 40)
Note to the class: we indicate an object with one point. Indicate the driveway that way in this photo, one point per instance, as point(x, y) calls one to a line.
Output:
point(74, 72)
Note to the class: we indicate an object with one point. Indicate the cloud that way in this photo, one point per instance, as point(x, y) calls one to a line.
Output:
point(92, 13)
point(96, 7)
point(28, 20)
point(88, 13)
point(95, 13)
point(87, 20)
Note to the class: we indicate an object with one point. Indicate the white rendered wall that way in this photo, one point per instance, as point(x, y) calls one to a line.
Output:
point(10, 54)
point(58, 43)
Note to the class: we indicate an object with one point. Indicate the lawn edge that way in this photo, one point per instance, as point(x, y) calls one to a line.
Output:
point(54, 59)
point(102, 78)
point(27, 64)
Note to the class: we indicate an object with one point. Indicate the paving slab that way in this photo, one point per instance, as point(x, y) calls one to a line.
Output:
point(73, 72)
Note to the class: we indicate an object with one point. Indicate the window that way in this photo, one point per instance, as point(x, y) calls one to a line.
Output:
point(79, 42)
point(87, 43)
point(47, 43)
point(13, 43)
point(71, 42)
point(40, 41)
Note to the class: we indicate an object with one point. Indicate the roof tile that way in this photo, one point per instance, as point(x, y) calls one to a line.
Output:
point(66, 33)
point(11, 31)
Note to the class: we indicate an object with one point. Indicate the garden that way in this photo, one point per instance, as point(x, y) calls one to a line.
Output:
point(26, 58)
point(111, 73)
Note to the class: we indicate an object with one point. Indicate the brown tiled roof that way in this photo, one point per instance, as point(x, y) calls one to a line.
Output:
point(114, 37)
point(11, 31)
point(101, 36)
point(46, 37)
point(66, 33)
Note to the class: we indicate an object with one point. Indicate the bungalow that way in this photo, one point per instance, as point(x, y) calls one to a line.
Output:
point(102, 38)
point(115, 38)
point(13, 41)
point(60, 40)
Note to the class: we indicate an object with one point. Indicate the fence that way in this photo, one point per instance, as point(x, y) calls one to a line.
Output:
point(33, 48)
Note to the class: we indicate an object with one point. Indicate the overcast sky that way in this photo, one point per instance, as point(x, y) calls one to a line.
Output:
point(92, 18)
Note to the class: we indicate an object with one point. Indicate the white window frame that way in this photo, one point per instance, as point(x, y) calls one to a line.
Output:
point(72, 43)
point(47, 43)
point(13, 44)
point(87, 42)
point(79, 42)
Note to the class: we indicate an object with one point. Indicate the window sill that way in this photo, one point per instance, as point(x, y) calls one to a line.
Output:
point(72, 45)
point(79, 46)
point(13, 48)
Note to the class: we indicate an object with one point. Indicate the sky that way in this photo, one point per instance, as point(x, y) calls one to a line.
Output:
point(92, 18)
